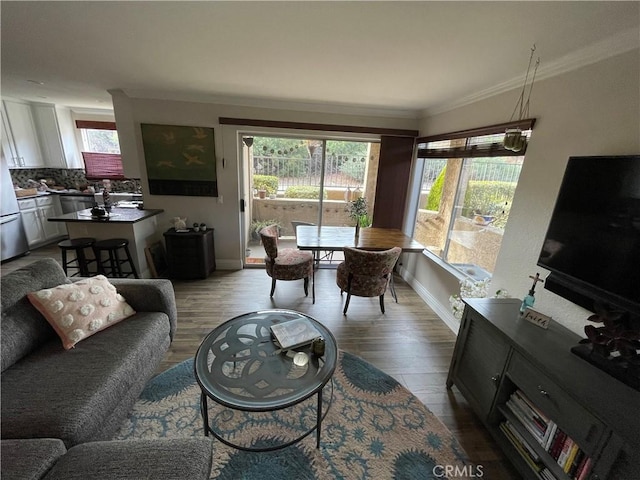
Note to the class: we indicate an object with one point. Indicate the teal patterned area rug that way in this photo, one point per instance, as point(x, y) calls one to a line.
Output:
point(375, 429)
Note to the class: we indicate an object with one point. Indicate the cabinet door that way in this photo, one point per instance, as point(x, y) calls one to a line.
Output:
point(480, 363)
point(50, 229)
point(57, 138)
point(24, 134)
point(8, 146)
point(32, 226)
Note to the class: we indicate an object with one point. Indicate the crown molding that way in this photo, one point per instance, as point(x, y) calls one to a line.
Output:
point(258, 102)
point(623, 42)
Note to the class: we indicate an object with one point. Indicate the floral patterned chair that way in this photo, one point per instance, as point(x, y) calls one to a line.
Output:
point(366, 274)
point(286, 263)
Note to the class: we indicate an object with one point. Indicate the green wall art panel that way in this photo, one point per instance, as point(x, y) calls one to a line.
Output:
point(180, 160)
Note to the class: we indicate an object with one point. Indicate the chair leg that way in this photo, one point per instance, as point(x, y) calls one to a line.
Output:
point(273, 286)
point(306, 286)
point(382, 302)
point(346, 304)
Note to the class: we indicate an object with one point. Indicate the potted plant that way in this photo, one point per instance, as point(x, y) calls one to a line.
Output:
point(257, 225)
point(358, 211)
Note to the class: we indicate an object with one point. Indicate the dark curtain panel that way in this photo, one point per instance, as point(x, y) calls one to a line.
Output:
point(396, 154)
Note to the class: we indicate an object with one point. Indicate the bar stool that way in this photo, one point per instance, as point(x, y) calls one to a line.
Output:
point(112, 265)
point(80, 262)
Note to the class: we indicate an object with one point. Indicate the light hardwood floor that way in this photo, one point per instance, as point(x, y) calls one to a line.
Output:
point(409, 342)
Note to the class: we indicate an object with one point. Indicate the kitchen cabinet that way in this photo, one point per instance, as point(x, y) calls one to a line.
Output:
point(57, 137)
point(20, 143)
point(35, 212)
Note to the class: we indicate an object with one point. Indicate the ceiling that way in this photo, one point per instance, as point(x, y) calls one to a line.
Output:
point(394, 57)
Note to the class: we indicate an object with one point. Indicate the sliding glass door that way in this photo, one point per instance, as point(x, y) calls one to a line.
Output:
point(303, 180)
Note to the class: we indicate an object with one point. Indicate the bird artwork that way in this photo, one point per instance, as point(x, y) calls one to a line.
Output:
point(169, 138)
point(199, 132)
point(180, 160)
point(192, 159)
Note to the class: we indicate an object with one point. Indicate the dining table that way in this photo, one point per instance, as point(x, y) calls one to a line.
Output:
point(321, 238)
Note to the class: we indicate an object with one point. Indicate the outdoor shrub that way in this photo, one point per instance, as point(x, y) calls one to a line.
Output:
point(303, 191)
point(435, 194)
point(266, 182)
point(489, 198)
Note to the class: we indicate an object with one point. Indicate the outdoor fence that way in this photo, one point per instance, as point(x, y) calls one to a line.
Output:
point(341, 171)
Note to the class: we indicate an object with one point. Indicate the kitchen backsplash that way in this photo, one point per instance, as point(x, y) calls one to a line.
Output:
point(70, 178)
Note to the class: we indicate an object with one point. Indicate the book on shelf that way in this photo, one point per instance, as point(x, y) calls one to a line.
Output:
point(521, 440)
point(567, 445)
point(524, 453)
point(560, 447)
point(578, 461)
point(516, 409)
point(558, 442)
point(586, 470)
point(545, 474)
point(535, 417)
point(294, 333)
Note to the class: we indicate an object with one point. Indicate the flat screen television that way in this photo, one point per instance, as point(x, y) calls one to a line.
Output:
point(592, 245)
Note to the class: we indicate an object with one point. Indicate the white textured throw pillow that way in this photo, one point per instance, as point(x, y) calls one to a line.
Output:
point(78, 310)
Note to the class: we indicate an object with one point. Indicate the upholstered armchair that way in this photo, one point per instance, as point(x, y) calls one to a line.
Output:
point(365, 273)
point(285, 263)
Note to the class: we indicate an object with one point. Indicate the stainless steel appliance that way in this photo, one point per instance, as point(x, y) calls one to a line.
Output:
point(12, 236)
point(73, 203)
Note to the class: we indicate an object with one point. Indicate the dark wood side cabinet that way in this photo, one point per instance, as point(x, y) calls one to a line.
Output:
point(497, 353)
point(190, 255)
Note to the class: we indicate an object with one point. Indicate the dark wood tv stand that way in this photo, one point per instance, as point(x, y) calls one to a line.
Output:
point(497, 353)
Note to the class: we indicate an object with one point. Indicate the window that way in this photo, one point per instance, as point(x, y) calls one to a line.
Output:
point(468, 183)
point(101, 150)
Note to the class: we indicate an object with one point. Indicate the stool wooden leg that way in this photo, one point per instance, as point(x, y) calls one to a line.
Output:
point(82, 262)
point(64, 262)
point(133, 267)
point(115, 263)
point(99, 265)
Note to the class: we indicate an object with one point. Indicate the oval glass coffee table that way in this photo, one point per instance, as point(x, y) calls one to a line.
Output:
point(239, 367)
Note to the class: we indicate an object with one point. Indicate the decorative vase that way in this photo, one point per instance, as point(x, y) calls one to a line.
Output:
point(358, 229)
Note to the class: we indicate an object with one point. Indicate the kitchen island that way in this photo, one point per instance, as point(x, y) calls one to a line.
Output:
point(140, 227)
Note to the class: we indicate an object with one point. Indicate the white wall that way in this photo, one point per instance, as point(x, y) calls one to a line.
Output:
point(594, 110)
point(224, 216)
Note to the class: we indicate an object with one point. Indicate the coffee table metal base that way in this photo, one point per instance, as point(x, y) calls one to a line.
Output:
point(320, 415)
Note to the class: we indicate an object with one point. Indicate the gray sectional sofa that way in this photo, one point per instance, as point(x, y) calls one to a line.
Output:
point(72, 397)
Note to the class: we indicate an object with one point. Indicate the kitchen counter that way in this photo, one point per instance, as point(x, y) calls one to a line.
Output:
point(118, 215)
point(140, 227)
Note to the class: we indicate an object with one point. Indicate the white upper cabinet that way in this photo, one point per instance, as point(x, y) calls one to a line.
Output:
point(20, 144)
point(57, 136)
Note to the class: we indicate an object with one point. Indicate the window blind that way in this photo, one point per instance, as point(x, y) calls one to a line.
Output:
point(91, 125)
point(100, 166)
point(477, 142)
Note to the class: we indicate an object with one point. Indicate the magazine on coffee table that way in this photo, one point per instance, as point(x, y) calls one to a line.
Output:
point(294, 333)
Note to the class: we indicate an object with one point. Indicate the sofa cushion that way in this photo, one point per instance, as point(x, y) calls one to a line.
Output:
point(29, 459)
point(23, 327)
point(158, 459)
point(81, 309)
point(70, 394)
